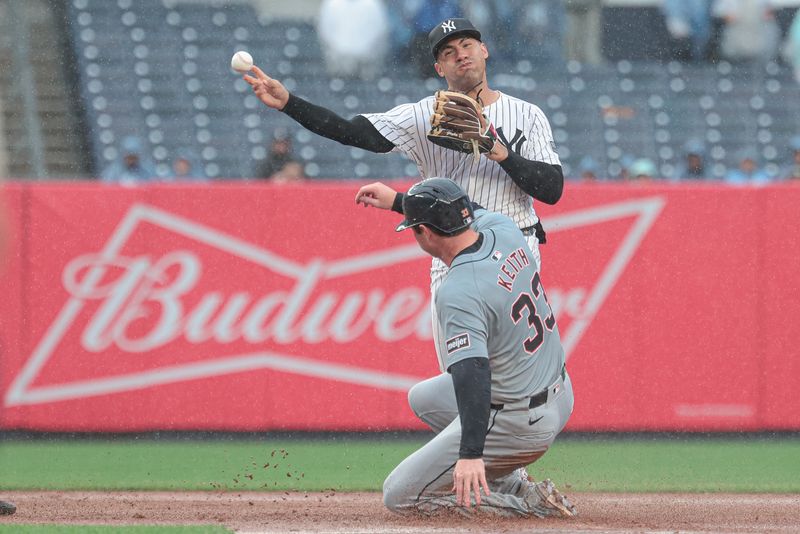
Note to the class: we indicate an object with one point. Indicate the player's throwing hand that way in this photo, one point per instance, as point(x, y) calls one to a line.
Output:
point(271, 92)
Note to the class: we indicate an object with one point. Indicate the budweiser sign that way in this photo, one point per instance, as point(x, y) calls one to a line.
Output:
point(146, 303)
point(250, 307)
point(254, 309)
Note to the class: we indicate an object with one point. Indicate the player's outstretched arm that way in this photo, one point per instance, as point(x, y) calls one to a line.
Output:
point(358, 131)
point(377, 195)
point(270, 91)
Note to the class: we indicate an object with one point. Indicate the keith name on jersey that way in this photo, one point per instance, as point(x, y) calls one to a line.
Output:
point(515, 262)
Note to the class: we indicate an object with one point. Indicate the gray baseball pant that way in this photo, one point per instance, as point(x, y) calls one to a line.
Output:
point(517, 436)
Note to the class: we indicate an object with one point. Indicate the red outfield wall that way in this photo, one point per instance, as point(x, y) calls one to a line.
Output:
point(261, 307)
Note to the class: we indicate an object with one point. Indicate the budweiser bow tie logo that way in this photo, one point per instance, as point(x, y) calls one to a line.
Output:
point(136, 320)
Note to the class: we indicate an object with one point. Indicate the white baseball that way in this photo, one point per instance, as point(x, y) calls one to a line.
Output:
point(241, 61)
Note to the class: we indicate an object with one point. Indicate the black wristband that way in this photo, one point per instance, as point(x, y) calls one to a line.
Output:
point(291, 106)
point(397, 204)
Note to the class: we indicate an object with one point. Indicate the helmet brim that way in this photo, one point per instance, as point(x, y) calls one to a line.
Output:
point(405, 225)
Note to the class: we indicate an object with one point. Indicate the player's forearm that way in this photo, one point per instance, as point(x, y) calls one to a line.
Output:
point(472, 381)
point(542, 181)
point(357, 132)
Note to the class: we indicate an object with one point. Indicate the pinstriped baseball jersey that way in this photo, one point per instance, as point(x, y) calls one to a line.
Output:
point(521, 125)
point(492, 304)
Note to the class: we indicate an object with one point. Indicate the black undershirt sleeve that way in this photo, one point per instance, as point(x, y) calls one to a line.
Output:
point(358, 131)
point(542, 181)
point(472, 380)
point(397, 205)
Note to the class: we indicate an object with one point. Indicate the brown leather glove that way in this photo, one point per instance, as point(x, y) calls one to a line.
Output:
point(458, 123)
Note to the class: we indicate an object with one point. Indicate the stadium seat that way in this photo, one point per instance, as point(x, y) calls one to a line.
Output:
point(161, 70)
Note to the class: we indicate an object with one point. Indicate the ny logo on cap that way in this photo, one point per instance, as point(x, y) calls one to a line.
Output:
point(448, 26)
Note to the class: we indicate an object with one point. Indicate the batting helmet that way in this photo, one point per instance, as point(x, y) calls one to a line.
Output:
point(439, 203)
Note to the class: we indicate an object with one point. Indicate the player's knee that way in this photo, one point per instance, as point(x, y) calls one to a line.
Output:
point(415, 398)
point(426, 396)
point(392, 498)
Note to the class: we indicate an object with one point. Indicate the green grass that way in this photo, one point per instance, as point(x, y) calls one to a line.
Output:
point(103, 529)
point(709, 465)
point(602, 464)
point(199, 465)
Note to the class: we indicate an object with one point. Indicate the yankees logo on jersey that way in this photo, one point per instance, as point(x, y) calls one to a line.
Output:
point(485, 181)
point(516, 142)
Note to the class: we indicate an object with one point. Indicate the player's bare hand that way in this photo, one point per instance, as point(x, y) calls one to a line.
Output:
point(469, 476)
point(499, 152)
point(270, 91)
point(377, 195)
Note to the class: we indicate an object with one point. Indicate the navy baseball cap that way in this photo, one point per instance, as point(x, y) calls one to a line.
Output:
point(448, 29)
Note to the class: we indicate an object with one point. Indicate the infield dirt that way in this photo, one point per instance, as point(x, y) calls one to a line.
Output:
point(364, 512)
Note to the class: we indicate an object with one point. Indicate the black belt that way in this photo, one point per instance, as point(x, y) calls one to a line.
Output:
point(539, 398)
point(537, 230)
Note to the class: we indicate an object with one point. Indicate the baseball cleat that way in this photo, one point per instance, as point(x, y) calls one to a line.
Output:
point(523, 474)
point(6, 508)
point(544, 500)
point(553, 497)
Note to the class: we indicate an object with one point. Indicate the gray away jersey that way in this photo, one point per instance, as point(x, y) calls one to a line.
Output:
point(524, 127)
point(492, 303)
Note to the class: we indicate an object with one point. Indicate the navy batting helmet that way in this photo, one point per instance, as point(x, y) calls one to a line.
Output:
point(439, 203)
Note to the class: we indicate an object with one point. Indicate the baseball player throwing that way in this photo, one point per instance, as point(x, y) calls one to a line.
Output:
point(519, 164)
point(505, 394)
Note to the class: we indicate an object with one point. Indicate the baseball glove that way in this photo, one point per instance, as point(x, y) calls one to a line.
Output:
point(458, 123)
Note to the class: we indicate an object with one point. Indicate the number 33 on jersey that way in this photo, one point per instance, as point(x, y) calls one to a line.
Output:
point(504, 314)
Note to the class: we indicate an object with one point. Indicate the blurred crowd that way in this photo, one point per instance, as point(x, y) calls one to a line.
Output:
point(358, 37)
point(735, 30)
point(749, 168)
point(133, 166)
